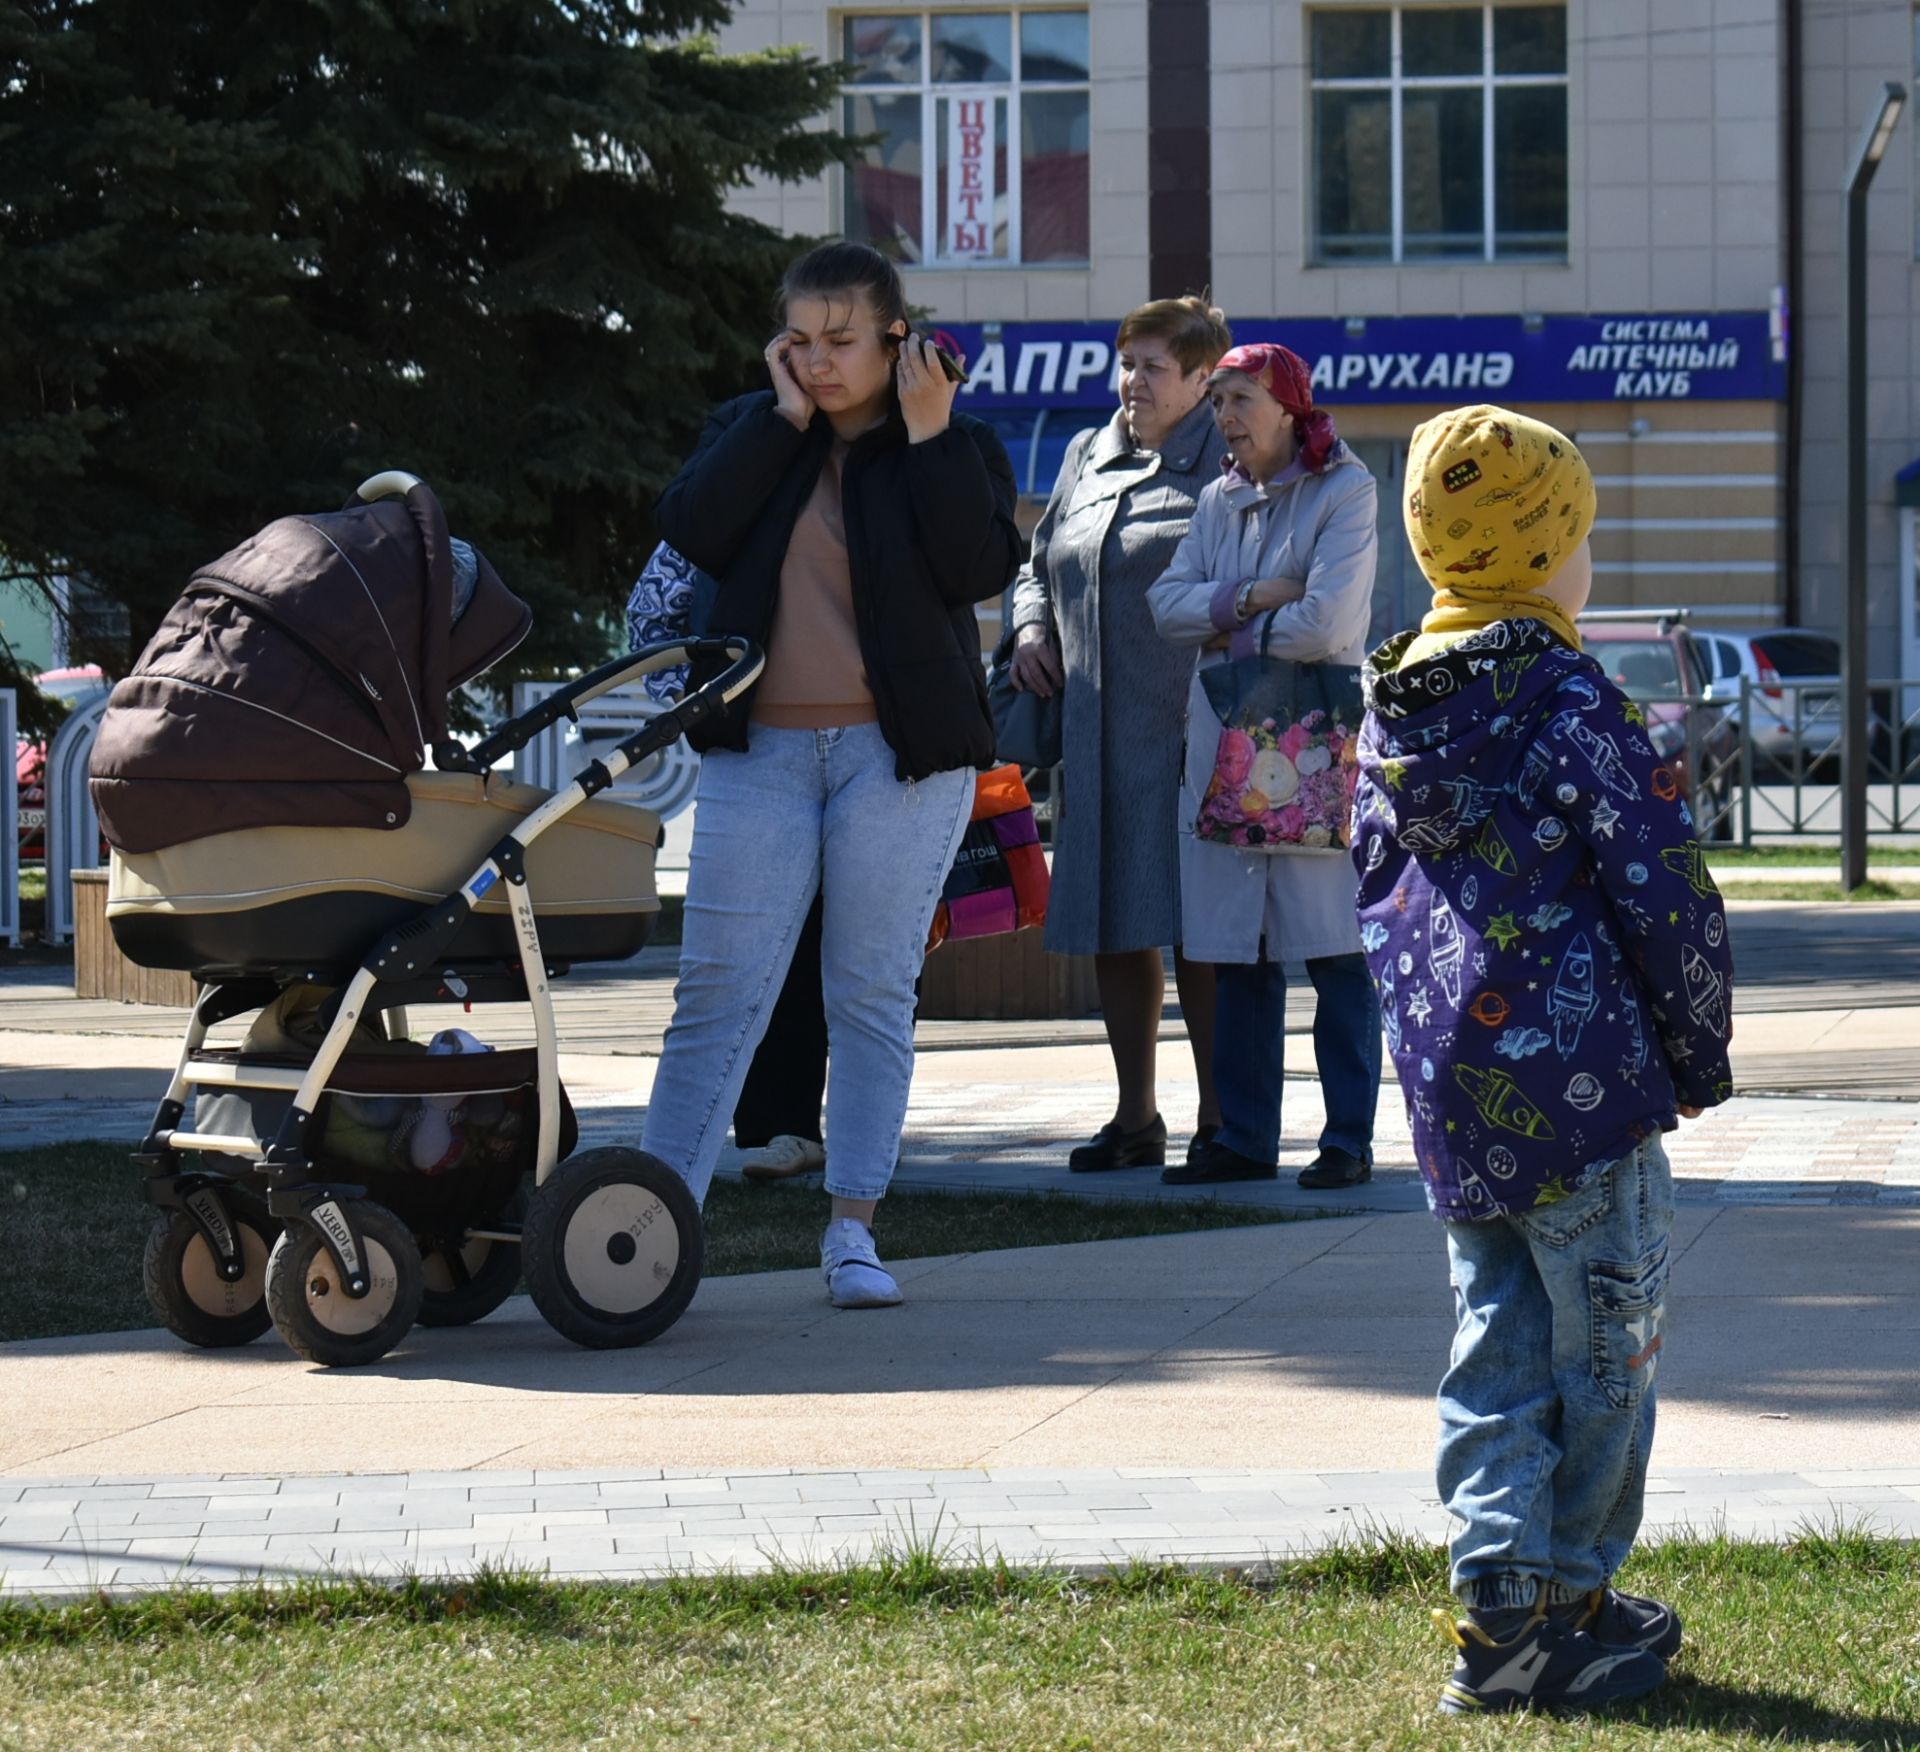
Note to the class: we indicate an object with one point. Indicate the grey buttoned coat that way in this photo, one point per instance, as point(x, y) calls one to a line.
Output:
point(1116, 516)
point(1321, 530)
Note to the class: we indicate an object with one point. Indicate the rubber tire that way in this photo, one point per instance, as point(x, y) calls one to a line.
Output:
point(299, 1253)
point(162, 1275)
point(551, 1212)
point(496, 1280)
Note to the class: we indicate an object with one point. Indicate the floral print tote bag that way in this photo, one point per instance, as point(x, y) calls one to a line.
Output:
point(1287, 761)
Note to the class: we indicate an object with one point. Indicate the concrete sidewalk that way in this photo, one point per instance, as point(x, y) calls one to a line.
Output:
point(1308, 1349)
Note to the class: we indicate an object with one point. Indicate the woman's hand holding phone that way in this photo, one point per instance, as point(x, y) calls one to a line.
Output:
point(926, 391)
point(790, 394)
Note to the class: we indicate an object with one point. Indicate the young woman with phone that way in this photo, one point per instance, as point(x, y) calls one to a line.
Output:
point(852, 520)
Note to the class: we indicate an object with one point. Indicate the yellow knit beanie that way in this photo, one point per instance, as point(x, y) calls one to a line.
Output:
point(1496, 502)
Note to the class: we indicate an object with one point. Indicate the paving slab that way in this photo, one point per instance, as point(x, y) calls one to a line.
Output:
point(1244, 1519)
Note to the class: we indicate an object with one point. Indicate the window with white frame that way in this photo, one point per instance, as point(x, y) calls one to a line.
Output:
point(1439, 133)
point(982, 143)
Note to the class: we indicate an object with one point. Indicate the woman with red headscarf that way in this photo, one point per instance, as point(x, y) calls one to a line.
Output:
point(1279, 558)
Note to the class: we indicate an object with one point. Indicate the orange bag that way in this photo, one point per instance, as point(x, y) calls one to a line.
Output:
point(999, 880)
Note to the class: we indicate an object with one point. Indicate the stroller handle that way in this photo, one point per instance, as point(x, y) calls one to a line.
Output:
point(394, 483)
point(744, 661)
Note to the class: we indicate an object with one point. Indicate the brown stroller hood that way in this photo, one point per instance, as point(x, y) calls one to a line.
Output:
point(300, 678)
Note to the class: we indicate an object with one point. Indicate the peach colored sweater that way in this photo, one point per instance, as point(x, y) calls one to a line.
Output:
point(815, 678)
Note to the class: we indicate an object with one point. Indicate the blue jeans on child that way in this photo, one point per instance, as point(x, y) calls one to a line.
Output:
point(1546, 1414)
point(1250, 1044)
point(804, 812)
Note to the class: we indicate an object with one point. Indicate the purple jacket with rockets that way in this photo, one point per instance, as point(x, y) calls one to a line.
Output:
point(1550, 949)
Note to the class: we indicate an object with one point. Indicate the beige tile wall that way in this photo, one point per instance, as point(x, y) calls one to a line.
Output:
point(1849, 57)
point(1673, 113)
point(1674, 167)
point(1117, 277)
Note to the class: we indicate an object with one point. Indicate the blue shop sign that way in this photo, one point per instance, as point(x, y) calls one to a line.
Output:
point(1724, 356)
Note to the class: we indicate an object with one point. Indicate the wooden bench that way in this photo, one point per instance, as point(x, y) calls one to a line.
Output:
point(100, 970)
point(1005, 978)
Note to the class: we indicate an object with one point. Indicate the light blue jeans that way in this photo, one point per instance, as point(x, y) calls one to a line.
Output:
point(800, 812)
point(1546, 1414)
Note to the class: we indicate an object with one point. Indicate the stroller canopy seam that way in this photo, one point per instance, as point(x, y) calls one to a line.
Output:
point(400, 668)
point(298, 724)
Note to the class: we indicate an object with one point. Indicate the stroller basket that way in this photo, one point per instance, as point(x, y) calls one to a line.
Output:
point(372, 1107)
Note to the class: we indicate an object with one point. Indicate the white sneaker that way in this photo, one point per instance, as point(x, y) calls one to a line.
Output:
point(783, 1157)
point(855, 1277)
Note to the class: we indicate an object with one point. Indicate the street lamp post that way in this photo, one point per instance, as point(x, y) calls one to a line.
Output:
point(1853, 657)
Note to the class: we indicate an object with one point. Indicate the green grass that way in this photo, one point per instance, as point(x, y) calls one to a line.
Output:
point(33, 883)
point(1905, 853)
point(1813, 1646)
point(1869, 890)
point(81, 1203)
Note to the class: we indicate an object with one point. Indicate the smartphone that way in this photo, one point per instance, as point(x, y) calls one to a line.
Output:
point(956, 372)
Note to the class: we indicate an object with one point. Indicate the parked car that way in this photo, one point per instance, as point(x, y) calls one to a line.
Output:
point(71, 687)
point(1657, 661)
point(1798, 724)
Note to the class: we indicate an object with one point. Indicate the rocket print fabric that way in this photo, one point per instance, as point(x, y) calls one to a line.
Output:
point(1550, 949)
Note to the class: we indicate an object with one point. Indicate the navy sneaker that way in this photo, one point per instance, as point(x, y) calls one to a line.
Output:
point(1546, 1666)
point(1623, 1621)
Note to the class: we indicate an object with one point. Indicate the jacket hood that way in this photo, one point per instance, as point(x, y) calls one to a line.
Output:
point(1448, 732)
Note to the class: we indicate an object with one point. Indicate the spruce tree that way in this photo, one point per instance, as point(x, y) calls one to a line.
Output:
point(250, 254)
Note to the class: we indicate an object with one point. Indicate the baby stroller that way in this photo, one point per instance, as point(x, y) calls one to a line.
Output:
point(261, 779)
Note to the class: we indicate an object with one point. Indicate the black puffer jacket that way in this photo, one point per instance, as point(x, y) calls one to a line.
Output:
point(930, 532)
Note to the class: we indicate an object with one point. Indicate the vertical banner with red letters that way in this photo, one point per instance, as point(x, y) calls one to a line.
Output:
point(970, 191)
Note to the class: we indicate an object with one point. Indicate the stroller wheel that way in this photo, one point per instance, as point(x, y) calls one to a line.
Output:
point(185, 1289)
point(466, 1284)
point(612, 1248)
point(309, 1301)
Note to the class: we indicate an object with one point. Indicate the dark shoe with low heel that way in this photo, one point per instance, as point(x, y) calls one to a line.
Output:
point(1213, 1164)
point(1202, 1136)
point(1113, 1148)
point(1335, 1168)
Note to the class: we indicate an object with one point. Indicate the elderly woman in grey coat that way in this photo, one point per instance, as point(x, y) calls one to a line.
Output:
point(1280, 557)
point(1119, 509)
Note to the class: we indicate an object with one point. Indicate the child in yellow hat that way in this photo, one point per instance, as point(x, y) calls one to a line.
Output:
point(1555, 986)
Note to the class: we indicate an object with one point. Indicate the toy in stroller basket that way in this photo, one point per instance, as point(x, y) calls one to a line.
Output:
point(260, 776)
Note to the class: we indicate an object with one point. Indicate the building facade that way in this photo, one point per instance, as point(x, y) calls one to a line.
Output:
point(1621, 215)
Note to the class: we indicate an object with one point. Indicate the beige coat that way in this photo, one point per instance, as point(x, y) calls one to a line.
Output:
point(1320, 529)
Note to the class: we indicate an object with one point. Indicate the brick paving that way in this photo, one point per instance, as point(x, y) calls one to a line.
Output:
point(66, 1536)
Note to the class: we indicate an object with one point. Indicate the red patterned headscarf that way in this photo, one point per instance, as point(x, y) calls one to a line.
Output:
point(1283, 374)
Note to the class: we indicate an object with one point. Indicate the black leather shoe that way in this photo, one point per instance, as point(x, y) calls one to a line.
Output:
point(1336, 1168)
point(1213, 1163)
point(1202, 1136)
point(1113, 1148)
